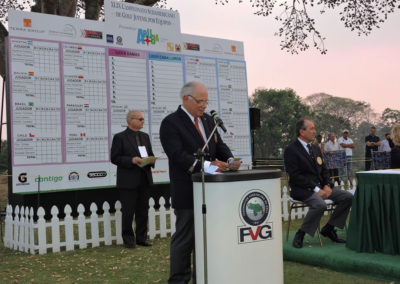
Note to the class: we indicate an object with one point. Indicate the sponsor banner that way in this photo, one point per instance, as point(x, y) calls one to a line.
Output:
point(211, 47)
point(66, 29)
point(141, 27)
point(30, 179)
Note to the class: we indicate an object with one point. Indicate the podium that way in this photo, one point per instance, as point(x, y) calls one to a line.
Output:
point(243, 227)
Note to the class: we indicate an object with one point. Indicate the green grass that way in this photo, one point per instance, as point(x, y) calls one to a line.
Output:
point(115, 264)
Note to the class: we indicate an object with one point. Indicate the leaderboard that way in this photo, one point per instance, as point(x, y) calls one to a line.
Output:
point(68, 100)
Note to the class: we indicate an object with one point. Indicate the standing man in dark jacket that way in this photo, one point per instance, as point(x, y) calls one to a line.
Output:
point(372, 143)
point(127, 150)
point(182, 133)
point(309, 183)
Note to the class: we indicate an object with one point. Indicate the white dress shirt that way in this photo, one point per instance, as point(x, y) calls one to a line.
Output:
point(349, 151)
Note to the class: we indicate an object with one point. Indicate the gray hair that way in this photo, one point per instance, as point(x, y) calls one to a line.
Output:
point(131, 114)
point(188, 88)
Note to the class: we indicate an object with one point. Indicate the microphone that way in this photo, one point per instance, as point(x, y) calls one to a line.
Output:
point(218, 120)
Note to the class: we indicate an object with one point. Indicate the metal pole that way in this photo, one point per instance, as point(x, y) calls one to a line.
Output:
point(2, 107)
point(204, 212)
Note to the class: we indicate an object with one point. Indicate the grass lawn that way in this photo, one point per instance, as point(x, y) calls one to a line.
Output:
point(115, 264)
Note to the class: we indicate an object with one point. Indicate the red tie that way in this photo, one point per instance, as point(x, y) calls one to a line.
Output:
point(196, 122)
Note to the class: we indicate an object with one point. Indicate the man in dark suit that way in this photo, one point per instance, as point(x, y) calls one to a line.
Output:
point(133, 181)
point(309, 183)
point(182, 133)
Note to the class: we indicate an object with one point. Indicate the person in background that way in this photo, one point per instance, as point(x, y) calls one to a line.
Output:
point(133, 181)
point(347, 145)
point(333, 145)
point(387, 144)
point(395, 153)
point(372, 142)
point(319, 143)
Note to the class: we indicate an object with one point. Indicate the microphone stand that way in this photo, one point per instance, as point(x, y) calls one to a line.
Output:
point(200, 156)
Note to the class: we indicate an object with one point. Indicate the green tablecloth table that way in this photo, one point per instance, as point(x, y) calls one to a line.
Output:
point(375, 216)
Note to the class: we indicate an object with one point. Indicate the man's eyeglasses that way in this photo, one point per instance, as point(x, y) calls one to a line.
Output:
point(200, 102)
point(140, 119)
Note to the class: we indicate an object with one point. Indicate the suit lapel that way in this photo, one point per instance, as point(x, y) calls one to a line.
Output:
point(308, 156)
point(131, 140)
point(189, 125)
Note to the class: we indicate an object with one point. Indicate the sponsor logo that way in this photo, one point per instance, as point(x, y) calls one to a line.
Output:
point(67, 31)
point(97, 174)
point(170, 46)
point(92, 34)
point(22, 178)
point(233, 48)
point(110, 38)
point(192, 46)
point(48, 179)
point(147, 37)
point(254, 211)
point(27, 23)
point(119, 40)
point(178, 48)
point(73, 176)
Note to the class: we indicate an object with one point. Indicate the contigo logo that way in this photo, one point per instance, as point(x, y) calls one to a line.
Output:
point(98, 174)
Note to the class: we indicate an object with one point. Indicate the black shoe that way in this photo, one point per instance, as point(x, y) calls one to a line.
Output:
point(144, 244)
point(298, 239)
point(129, 245)
point(329, 232)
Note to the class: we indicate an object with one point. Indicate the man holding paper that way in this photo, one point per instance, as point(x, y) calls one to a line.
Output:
point(131, 152)
point(182, 133)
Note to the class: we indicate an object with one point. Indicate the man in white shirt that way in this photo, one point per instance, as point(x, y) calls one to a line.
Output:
point(387, 144)
point(333, 145)
point(346, 144)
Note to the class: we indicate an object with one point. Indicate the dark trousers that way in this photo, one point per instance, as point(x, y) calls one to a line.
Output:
point(182, 247)
point(343, 201)
point(135, 202)
point(368, 163)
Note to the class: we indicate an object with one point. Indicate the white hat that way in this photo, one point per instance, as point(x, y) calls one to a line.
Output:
point(345, 131)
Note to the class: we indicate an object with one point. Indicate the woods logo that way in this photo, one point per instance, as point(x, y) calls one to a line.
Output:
point(254, 210)
point(147, 37)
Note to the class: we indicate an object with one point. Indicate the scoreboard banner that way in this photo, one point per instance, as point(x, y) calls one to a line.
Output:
point(72, 82)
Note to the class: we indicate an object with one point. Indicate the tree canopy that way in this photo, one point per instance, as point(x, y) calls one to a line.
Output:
point(279, 111)
point(298, 30)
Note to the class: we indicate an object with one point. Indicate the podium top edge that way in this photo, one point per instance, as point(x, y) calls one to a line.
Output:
point(238, 176)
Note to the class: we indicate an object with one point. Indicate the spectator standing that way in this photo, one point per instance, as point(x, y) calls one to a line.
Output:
point(346, 144)
point(387, 144)
point(395, 153)
point(319, 143)
point(333, 145)
point(372, 142)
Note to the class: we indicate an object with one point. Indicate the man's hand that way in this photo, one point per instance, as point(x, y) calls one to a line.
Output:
point(235, 166)
point(222, 166)
point(136, 160)
point(325, 192)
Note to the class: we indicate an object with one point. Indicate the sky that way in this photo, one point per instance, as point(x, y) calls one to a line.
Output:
point(360, 68)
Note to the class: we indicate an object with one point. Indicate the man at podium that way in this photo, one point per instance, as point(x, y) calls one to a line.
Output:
point(182, 133)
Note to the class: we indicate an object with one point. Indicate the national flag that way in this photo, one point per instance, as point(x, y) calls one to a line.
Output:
point(31, 73)
point(31, 135)
point(80, 76)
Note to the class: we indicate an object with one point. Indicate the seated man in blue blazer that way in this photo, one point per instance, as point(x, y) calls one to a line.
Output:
point(309, 183)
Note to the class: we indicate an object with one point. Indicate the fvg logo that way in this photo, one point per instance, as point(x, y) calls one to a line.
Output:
point(254, 210)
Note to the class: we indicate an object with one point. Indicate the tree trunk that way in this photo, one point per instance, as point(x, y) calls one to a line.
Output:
point(143, 2)
point(67, 8)
point(92, 9)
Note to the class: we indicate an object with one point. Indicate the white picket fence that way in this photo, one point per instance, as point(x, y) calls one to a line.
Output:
point(23, 234)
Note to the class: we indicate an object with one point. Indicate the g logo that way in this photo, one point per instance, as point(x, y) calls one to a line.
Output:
point(22, 177)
